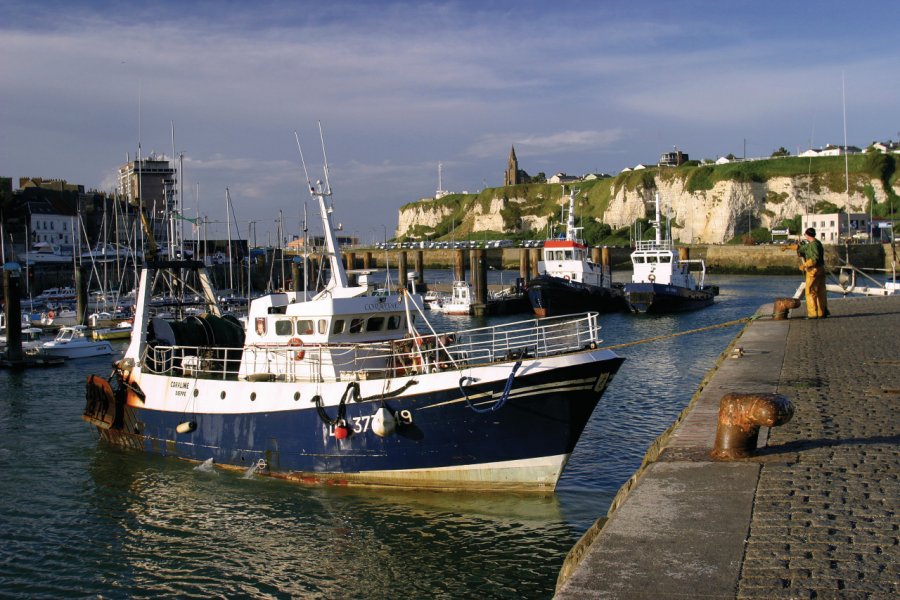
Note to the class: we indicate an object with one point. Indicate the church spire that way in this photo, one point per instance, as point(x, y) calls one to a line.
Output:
point(511, 177)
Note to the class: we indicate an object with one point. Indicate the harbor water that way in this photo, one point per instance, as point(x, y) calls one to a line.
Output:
point(80, 518)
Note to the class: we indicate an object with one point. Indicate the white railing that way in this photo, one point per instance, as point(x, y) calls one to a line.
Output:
point(649, 245)
point(532, 338)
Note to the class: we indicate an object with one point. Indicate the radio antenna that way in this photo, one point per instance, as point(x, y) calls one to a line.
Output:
point(325, 157)
point(312, 190)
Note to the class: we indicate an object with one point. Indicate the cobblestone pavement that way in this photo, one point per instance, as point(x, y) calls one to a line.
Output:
point(825, 521)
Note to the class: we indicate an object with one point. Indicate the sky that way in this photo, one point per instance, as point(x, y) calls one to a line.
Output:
point(403, 87)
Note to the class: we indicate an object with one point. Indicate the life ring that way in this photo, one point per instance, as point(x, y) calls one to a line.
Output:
point(651, 277)
point(297, 343)
point(51, 314)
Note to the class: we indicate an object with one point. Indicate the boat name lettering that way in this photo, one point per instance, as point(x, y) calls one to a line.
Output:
point(184, 385)
point(381, 306)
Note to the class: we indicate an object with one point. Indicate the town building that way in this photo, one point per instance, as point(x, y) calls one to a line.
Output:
point(830, 150)
point(562, 178)
point(834, 228)
point(673, 159)
point(513, 174)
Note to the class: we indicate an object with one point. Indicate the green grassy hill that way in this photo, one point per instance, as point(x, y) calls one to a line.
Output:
point(819, 174)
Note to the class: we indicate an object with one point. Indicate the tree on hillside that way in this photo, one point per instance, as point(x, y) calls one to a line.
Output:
point(539, 178)
point(594, 231)
point(781, 152)
point(824, 207)
point(792, 225)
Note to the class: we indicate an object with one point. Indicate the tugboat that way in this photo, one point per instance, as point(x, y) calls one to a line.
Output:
point(342, 387)
point(459, 302)
point(662, 282)
point(569, 282)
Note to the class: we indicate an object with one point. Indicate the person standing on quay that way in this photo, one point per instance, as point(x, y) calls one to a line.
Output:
point(812, 254)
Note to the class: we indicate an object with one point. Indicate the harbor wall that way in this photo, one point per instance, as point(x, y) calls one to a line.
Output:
point(766, 259)
point(754, 260)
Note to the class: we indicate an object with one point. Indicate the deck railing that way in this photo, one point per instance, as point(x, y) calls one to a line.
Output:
point(417, 354)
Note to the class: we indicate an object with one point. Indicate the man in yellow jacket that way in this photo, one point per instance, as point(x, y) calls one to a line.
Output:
point(812, 255)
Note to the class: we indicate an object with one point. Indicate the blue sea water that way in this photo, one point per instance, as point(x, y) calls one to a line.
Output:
point(80, 518)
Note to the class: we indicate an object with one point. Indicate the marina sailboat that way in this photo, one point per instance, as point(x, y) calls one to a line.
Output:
point(354, 387)
point(662, 281)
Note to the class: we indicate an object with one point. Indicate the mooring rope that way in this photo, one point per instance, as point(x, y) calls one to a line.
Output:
point(672, 335)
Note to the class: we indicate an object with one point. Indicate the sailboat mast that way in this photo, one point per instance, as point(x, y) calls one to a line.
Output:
point(228, 225)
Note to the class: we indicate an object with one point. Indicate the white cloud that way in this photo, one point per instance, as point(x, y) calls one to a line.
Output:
point(399, 87)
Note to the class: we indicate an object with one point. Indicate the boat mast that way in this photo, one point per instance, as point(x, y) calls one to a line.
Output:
point(571, 230)
point(656, 221)
point(319, 192)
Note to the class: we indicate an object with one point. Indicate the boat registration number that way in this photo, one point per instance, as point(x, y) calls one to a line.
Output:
point(363, 424)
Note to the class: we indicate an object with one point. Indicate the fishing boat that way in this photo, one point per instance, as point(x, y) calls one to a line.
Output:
point(72, 342)
point(352, 387)
point(459, 302)
point(663, 281)
point(569, 281)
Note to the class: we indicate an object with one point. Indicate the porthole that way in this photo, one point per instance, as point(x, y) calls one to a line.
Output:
point(222, 395)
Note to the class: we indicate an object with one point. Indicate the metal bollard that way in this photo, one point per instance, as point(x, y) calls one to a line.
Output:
point(783, 306)
point(741, 416)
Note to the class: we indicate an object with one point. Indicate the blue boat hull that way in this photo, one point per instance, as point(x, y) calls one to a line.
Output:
point(659, 298)
point(553, 296)
point(542, 417)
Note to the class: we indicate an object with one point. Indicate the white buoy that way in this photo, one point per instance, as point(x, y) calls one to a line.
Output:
point(383, 423)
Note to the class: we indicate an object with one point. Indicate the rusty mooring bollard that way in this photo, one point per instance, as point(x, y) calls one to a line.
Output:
point(783, 306)
point(741, 416)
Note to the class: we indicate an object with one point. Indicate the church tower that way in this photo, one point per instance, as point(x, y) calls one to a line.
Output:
point(512, 169)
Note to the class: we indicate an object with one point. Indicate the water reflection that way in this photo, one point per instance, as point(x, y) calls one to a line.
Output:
point(183, 531)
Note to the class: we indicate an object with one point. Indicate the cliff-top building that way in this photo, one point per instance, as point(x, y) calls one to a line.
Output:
point(514, 175)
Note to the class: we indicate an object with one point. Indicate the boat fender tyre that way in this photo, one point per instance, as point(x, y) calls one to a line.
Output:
point(297, 343)
point(651, 278)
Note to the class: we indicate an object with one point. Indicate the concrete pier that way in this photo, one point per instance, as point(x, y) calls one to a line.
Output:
point(813, 514)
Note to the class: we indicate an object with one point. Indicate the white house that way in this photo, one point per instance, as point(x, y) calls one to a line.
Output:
point(830, 150)
point(832, 228)
point(48, 224)
point(885, 147)
point(562, 178)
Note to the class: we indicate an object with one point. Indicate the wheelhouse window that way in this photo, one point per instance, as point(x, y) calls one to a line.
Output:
point(323, 326)
point(394, 322)
point(375, 323)
point(304, 327)
point(284, 327)
point(339, 325)
point(356, 325)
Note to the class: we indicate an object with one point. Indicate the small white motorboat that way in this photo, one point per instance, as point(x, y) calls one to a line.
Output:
point(71, 342)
